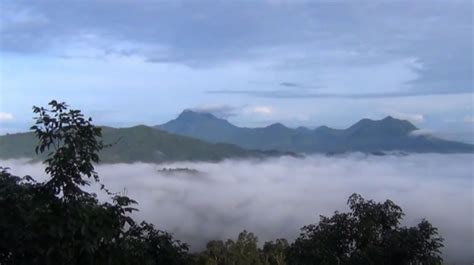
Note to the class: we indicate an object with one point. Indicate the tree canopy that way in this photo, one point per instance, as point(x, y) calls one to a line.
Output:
point(369, 234)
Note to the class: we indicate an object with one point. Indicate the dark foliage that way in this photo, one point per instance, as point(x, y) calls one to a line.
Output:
point(369, 234)
point(243, 251)
point(56, 222)
point(75, 147)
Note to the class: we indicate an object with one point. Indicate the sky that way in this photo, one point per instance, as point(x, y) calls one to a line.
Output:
point(301, 63)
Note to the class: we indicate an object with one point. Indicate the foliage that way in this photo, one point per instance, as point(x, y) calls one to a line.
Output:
point(75, 144)
point(369, 234)
point(243, 251)
point(57, 222)
point(274, 252)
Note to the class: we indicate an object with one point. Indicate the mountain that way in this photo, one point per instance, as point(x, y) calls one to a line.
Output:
point(139, 143)
point(388, 134)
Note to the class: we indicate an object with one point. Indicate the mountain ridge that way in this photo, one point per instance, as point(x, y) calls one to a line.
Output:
point(188, 113)
point(366, 135)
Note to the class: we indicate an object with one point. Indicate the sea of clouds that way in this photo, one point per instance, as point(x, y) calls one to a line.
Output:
point(274, 198)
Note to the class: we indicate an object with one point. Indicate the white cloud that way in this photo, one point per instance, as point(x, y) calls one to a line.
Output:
point(261, 110)
point(274, 198)
point(413, 117)
point(5, 116)
point(422, 132)
point(225, 111)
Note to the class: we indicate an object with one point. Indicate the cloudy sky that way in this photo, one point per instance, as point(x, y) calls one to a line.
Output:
point(254, 62)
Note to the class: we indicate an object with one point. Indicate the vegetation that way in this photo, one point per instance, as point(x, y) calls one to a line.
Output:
point(139, 143)
point(179, 170)
point(369, 234)
point(243, 251)
point(58, 222)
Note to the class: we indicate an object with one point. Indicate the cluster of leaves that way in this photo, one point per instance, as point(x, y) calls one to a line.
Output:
point(243, 251)
point(57, 222)
point(369, 234)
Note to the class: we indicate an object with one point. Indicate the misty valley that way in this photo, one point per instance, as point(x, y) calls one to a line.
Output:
point(194, 202)
point(274, 198)
point(262, 132)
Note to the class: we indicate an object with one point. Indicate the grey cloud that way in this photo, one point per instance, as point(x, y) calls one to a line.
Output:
point(193, 32)
point(222, 111)
point(297, 86)
point(278, 93)
point(438, 34)
point(290, 84)
point(275, 197)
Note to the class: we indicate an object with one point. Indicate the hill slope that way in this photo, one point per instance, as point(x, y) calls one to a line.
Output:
point(366, 135)
point(139, 143)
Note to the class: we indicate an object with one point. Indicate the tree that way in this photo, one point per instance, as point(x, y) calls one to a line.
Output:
point(369, 234)
point(274, 252)
point(75, 147)
point(243, 251)
point(57, 222)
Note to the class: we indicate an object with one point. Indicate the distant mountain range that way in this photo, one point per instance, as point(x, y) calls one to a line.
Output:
point(203, 137)
point(388, 134)
point(139, 143)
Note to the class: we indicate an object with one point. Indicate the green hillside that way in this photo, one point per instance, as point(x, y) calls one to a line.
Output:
point(139, 143)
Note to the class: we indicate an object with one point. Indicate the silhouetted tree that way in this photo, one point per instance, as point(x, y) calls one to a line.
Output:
point(57, 222)
point(369, 234)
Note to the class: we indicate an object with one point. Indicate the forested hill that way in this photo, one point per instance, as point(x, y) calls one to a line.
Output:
point(139, 143)
point(367, 135)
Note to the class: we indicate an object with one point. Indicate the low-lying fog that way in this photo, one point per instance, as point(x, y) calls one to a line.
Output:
point(274, 198)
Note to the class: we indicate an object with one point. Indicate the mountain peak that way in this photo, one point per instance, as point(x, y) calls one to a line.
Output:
point(389, 118)
point(303, 129)
point(191, 114)
point(191, 122)
point(277, 126)
point(323, 128)
point(389, 124)
point(399, 122)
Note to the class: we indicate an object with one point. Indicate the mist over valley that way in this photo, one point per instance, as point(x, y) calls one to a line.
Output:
point(275, 197)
